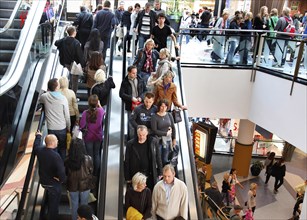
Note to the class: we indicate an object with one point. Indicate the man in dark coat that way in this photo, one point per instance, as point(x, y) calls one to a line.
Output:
point(142, 155)
point(105, 22)
point(70, 51)
point(84, 23)
point(132, 92)
point(51, 172)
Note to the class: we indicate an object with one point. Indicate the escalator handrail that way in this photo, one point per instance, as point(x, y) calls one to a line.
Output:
point(188, 135)
point(23, 47)
point(12, 17)
point(104, 160)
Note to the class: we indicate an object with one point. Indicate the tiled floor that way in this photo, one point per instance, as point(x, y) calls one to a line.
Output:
point(269, 205)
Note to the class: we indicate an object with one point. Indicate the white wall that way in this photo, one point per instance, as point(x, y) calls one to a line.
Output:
point(228, 93)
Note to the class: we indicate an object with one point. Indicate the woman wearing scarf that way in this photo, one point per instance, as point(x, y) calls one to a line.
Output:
point(146, 60)
point(168, 90)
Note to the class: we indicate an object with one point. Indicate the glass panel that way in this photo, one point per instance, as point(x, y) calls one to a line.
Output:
point(216, 47)
point(280, 54)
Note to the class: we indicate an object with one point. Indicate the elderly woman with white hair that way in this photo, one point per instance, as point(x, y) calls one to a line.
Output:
point(138, 198)
point(102, 87)
point(72, 101)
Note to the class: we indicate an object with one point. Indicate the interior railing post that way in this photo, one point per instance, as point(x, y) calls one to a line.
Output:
point(298, 62)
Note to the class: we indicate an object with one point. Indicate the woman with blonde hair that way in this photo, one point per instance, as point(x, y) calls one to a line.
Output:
point(251, 197)
point(72, 101)
point(226, 189)
point(164, 65)
point(146, 59)
point(138, 198)
point(102, 87)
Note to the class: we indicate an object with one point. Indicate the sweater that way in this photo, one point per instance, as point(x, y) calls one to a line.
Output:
point(56, 110)
point(142, 116)
point(94, 130)
point(50, 164)
point(161, 124)
point(178, 201)
point(134, 199)
point(251, 199)
point(72, 102)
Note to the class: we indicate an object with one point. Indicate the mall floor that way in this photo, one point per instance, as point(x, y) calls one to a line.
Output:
point(269, 205)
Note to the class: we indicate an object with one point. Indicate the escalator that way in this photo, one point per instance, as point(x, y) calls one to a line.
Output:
point(18, 81)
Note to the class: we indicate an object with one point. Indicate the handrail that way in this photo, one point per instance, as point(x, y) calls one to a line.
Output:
point(104, 160)
point(29, 172)
point(12, 17)
point(18, 61)
point(188, 135)
point(10, 202)
point(216, 206)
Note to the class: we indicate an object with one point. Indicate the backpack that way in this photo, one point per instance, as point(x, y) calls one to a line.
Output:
point(290, 28)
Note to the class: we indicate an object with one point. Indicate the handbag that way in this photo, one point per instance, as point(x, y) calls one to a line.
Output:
point(76, 69)
point(133, 214)
point(120, 32)
point(176, 113)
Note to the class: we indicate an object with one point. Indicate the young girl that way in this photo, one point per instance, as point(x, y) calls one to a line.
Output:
point(233, 181)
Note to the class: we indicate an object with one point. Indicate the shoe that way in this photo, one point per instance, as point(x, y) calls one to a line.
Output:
point(275, 191)
point(119, 48)
point(128, 51)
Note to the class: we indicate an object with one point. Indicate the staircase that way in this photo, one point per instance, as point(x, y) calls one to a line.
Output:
point(10, 37)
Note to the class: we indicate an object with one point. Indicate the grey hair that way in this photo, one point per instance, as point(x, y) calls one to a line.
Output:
point(138, 178)
point(141, 128)
point(168, 167)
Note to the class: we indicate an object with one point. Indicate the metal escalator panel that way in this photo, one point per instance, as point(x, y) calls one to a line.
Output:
point(16, 109)
point(16, 35)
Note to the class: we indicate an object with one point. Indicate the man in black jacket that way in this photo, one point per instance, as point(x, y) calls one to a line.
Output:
point(84, 23)
point(131, 92)
point(142, 155)
point(70, 51)
point(51, 172)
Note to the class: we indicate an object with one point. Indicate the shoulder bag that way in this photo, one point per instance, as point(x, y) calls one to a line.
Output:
point(176, 113)
point(76, 69)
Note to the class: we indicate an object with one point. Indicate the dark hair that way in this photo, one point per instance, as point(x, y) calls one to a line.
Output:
point(131, 68)
point(149, 95)
point(161, 15)
point(271, 156)
point(94, 39)
point(130, 9)
point(85, 211)
point(107, 4)
point(162, 101)
point(232, 170)
point(99, 7)
point(53, 84)
point(95, 61)
point(76, 154)
point(137, 5)
point(82, 8)
point(91, 115)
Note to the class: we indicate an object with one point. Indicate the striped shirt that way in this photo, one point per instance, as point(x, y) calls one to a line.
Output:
point(145, 28)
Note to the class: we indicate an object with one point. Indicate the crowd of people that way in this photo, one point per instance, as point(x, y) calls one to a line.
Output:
point(232, 42)
point(149, 94)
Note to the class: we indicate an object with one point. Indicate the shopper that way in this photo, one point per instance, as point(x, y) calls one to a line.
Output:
point(251, 197)
point(268, 163)
point(279, 171)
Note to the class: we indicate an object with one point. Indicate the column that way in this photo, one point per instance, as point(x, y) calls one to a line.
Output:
point(244, 147)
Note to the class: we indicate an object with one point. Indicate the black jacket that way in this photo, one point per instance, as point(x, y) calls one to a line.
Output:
point(132, 158)
point(70, 50)
point(139, 18)
point(84, 21)
point(125, 92)
point(126, 21)
point(102, 90)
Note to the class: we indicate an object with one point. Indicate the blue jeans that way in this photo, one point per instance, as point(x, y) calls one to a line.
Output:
point(93, 149)
point(62, 145)
point(187, 36)
point(230, 55)
point(77, 199)
point(53, 200)
point(142, 39)
point(144, 76)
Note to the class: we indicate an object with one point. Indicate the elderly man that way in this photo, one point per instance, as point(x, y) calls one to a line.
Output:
point(142, 155)
point(170, 197)
point(57, 114)
point(51, 172)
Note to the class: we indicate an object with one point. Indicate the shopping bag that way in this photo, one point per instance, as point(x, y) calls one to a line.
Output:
point(76, 69)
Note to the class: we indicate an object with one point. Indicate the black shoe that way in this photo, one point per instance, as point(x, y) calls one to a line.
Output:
point(119, 48)
point(128, 51)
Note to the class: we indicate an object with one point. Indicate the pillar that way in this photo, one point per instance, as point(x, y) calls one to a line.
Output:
point(244, 147)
